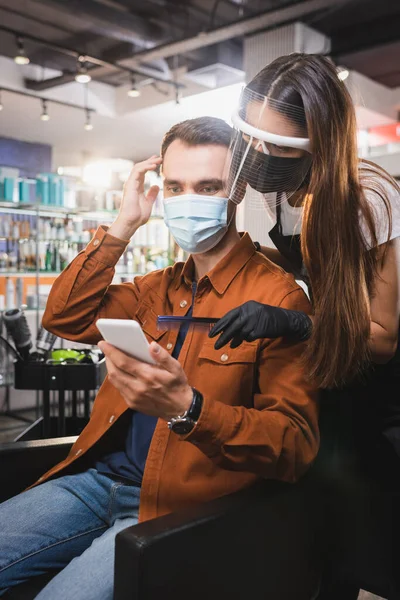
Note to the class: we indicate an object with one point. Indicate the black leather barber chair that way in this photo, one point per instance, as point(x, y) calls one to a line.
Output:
point(264, 542)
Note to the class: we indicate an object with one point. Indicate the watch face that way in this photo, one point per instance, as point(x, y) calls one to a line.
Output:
point(182, 426)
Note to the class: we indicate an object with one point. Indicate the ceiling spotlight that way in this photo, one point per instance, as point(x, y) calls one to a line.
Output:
point(134, 92)
point(88, 126)
point(45, 115)
point(21, 57)
point(82, 76)
point(342, 73)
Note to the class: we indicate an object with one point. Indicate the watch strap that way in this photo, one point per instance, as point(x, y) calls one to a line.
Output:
point(183, 424)
point(194, 410)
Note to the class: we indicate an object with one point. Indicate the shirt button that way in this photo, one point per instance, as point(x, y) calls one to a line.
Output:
point(224, 357)
point(169, 346)
point(111, 419)
point(78, 452)
point(96, 242)
point(183, 303)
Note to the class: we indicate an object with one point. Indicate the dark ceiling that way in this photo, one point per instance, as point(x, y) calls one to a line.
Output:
point(366, 37)
point(117, 35)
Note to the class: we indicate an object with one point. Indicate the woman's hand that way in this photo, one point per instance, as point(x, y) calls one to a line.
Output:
point(253, 320)
point(136, 206)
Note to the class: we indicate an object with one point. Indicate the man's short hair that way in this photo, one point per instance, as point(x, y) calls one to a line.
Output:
point(198, 132)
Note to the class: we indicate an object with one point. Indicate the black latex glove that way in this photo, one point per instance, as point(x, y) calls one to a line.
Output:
point(253, 320)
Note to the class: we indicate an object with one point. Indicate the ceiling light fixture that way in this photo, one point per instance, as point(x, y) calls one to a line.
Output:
point(342, 73)
point(45, 115)
point(88, 126)
point(82, 76)
point(178, 95)
point(21, 57)
point(133, 92)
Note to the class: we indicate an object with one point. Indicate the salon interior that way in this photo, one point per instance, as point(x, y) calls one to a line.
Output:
point(88, 89)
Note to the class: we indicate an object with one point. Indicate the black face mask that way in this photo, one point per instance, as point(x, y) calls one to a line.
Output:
point(266, 173)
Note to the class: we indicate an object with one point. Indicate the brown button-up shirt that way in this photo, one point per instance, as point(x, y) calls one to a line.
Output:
point(259, 418)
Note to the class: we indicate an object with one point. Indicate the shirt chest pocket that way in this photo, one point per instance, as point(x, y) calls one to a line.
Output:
point(147, 319)
point(245, 354)
point(229, 374)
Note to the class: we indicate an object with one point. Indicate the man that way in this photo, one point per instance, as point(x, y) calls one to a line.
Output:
point(167, 436)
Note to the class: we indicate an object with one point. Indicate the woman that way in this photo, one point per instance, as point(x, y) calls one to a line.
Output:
point(337, 224)
point(296, 144)
point(337, 228)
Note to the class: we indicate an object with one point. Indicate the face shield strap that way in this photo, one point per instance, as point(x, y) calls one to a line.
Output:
point(273, 138)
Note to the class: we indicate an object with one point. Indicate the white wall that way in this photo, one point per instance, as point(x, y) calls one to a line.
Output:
point(389, 162)
point(373, 96)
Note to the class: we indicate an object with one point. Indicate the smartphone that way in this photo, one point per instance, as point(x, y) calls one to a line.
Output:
point(127, 336)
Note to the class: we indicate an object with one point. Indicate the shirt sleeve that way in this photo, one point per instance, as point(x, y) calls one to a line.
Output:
point(375, 187)
point(83, 292)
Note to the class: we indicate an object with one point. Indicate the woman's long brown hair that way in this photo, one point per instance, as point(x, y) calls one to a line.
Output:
point(339, 260)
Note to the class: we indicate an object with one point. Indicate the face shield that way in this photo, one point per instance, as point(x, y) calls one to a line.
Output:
point(269, 151)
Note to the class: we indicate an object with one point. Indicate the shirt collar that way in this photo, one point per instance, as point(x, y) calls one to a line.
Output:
point(226, 269)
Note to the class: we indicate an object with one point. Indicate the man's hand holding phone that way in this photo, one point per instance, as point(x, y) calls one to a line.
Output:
point(159, 390)
point(136, 206)
point(147, 377)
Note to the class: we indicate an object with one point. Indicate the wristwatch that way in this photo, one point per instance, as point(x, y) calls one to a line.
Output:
point(183, 424)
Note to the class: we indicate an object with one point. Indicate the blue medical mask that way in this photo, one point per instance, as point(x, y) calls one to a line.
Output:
point(196, 222)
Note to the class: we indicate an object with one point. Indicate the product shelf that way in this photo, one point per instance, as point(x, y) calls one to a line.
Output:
point(46, 210)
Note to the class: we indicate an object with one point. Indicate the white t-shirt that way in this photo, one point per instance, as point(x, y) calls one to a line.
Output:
point(291, 216)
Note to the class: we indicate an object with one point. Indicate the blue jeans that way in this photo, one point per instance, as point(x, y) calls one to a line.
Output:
point(69, 523)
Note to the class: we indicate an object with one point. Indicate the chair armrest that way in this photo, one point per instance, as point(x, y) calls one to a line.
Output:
point(23, 462)
point(259, 543)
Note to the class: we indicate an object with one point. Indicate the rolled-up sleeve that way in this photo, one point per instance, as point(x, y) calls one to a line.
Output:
point(83, 292)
